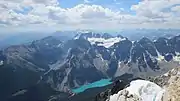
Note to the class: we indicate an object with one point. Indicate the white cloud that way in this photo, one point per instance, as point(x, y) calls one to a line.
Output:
point(158, 12)
point(87, 1)
point(154, 8)
point(176, 8)
point(48, 13)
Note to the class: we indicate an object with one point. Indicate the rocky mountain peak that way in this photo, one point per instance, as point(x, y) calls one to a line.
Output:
point(70, 64)
point(88, 34)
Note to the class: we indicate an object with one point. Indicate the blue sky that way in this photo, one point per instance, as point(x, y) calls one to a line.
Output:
point(117, 3)
point(113, 4)
point(52, 15)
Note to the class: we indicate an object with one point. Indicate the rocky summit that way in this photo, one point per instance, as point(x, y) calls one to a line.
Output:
point(170, 82)
point(61, 66)
point(161, 88)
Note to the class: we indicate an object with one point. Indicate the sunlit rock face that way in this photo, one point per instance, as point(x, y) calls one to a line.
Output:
point(172, 91)
point(170, 82)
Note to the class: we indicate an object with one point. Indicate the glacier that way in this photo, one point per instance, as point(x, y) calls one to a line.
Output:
point(145, 90)
point(105, 42)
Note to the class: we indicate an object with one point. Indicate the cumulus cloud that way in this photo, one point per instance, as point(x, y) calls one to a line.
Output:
point(176, 8)
point(154, 8)
point(148, 14)
point(157, 11)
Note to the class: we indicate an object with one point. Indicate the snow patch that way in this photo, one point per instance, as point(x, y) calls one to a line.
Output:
point(160, 57)
point(59, 45)
point(105, 42)
point(1, 63)
point(77, 37)
point(146, 90)
point(177, 57)
point(166, 74)
point(79, 33)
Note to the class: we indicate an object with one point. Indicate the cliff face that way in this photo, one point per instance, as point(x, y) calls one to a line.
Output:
point(172, 91)
point(172, 87)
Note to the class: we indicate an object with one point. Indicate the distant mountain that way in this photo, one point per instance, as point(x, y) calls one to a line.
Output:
point(104, 39)
point(21, 38)
point(152, 34)
point(64, 35)
point(88, 57)
point(27, 37)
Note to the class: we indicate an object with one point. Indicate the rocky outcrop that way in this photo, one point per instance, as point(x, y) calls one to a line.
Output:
point(170, 82)
point(149, 91)
point(124, 95)
point(172, 91)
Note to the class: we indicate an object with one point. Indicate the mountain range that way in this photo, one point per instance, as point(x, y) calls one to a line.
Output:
point(48, 69)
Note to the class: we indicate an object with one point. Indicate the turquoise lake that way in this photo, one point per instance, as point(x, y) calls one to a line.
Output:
point(99, 83)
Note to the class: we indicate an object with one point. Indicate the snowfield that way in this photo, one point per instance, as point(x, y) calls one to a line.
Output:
point(105, 42)
point(145, 90)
